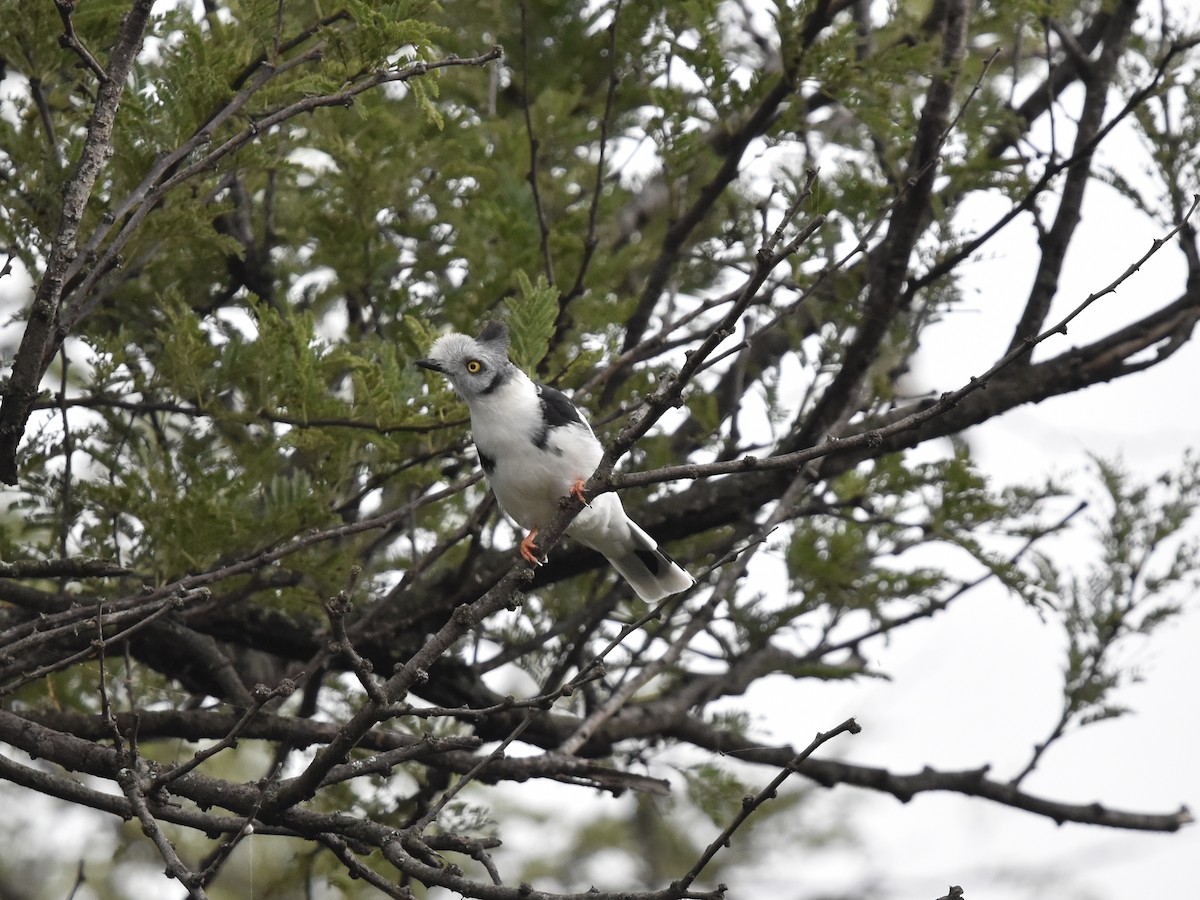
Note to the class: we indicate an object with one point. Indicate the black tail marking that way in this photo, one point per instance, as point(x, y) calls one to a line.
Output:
point(652, 559)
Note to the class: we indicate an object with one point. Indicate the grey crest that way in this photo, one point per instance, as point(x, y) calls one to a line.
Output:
point(475, 366)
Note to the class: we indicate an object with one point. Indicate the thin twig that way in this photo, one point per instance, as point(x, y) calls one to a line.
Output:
point(96, 647)
point(589, 726)
point(590, 241)
point(668, 393)
point(337, 608)
point(951, 261)
point(106, 713)
point(751, 804)
point(70, 39)
point(454, 790)
point(221, 853)
point(358, 869)
point(534, 146)
point(262, 697)
point(128, 780)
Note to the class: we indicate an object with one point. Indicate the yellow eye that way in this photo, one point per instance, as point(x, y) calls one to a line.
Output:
point(474, 366)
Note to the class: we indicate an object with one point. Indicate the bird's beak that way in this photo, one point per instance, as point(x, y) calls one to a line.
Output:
point(431, 365)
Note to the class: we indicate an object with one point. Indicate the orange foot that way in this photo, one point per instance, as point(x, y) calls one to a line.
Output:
point(577, 492)
point(529, 549)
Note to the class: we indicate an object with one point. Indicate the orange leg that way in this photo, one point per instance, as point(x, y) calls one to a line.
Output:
point(529, 550)
point(577, 492)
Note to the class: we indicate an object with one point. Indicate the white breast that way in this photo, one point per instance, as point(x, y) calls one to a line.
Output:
point(529, 480)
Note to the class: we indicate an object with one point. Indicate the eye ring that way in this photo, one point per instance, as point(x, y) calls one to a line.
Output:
point(474, 366)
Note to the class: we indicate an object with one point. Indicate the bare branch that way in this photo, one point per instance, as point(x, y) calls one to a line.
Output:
point(337, 608)
point(176, 868)
point(590, 241)
point(751, 804)
point(66, 567)
point(1078, 175)
point(262, 697)
point(970, 782)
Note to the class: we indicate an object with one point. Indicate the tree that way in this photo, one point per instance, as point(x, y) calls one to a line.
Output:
point(245, 521)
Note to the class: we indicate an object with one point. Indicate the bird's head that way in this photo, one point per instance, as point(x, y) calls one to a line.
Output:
point(475, 366)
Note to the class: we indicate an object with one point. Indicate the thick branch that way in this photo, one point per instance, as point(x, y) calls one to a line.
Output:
point(971, 782)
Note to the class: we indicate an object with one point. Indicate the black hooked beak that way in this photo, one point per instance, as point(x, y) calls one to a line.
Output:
point(431, 365)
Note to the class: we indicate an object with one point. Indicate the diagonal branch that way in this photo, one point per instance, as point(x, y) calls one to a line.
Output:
point(969, 782)
point(1055, 241)
point(262, 697)
point(70, 39)
point(751, 804)
point(590, 241)
point(887, 264)
point(131, 786)
point(534, 146)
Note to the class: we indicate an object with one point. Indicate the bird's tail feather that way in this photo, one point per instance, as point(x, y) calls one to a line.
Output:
point(650, 571)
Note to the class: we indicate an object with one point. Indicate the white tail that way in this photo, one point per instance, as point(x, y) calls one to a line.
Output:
point(649, 571)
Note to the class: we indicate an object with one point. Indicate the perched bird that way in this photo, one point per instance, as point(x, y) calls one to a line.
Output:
point(535, 448)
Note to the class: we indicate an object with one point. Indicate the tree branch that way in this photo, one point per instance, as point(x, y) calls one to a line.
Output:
point(750, 805)
point(532, 175)
point(71, 40)
point(47, 325)
point(970, 782)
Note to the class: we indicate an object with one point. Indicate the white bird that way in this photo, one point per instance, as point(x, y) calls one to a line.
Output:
point(536, 447)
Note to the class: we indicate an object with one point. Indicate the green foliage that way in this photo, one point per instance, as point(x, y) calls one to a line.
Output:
point(715, 791)
point(1146, 564)
point(854, 558)
point(531, 321)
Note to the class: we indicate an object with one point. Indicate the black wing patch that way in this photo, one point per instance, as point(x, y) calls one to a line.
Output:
point(488, 464)
point(651, 560)
point(557, 411)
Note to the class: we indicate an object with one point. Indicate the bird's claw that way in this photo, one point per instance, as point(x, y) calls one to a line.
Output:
point(529, 550)
point(578, 493)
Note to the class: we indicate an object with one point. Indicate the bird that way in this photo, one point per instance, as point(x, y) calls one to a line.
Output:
point(535, 447)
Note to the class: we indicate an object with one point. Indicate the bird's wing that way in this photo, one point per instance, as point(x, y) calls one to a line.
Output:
point(557, 412)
